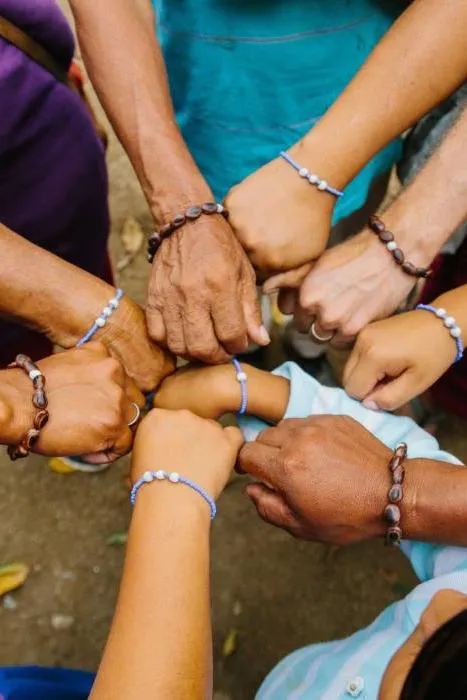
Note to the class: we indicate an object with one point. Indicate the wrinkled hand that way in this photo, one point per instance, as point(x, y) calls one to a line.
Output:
point(397, 359)
point(89, 405)
point(326, 479)
point(350, 285)
point(208, 392)
point(280, 220)
point(196, 448)
point(202, 301)
point(126, 337)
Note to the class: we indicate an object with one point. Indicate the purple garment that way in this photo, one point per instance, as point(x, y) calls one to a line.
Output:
point(53, 179)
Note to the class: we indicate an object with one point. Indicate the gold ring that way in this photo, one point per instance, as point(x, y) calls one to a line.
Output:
point(317, 337)
point(137, 415)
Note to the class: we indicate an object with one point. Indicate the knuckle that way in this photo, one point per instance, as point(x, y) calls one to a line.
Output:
point(291, 464)
point(112, 369)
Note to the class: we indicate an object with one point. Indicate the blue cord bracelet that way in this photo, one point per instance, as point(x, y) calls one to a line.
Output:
point(242, 379)
point(312, 178)
point(449, 323)
point(174, 478)
point(101, 320)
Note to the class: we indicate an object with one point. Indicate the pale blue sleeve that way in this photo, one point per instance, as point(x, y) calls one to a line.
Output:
point(309, 398)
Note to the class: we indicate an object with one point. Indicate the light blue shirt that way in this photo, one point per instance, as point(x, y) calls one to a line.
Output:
point(324, 671)
point(250, 77)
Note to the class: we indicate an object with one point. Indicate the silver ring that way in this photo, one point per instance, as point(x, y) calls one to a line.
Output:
point(137, 415)
point(317, 337)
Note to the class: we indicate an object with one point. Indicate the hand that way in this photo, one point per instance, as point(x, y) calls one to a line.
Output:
point(327, 479)
point(209, 392)
point(179, 441)
point(350, 285)
point(397, 359)
point(126, 337)
point(89, 404)
point(202, 301)
point(280, 219)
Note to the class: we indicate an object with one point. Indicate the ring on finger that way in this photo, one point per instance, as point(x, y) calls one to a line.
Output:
point(317, 337)
point(137, 415)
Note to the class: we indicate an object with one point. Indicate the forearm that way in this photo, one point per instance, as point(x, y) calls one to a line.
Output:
point(434, 507)
point(430, 209)
point(159, 646)
point(46, 293)
point(125, 63)
point(419, 62)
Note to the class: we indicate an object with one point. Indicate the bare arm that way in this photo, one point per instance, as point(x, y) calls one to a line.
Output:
point(160, 645)
point(202, 297)
point(126, 66)
point(62, 301)
point(418, 63)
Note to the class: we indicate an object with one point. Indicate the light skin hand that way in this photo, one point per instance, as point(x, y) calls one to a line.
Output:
point(279, 218)
point(397, 359)
point(90, 407)
point(202, 301)
point(351, 285)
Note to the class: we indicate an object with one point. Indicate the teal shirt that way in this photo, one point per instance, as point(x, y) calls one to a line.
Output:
point(250, 77)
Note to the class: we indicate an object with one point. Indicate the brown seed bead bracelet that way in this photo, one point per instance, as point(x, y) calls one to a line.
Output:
point(386, 237)
point(39, 400)
point(179, 220)
point(392, 512)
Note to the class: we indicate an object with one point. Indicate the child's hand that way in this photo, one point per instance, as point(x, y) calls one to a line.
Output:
point(181, 442)
point(208, 392)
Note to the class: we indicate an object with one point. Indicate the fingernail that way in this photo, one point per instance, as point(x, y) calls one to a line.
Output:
point(265, 337)
point(372, 405)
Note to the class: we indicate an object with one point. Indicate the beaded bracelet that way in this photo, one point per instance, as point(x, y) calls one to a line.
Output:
point(392, 512)
point(387, 238)
point(242, 379)
point(173, 478)
point(450, 323)
point(101, 320)
point(39, 401)
point(312, 178)
point(191, 214)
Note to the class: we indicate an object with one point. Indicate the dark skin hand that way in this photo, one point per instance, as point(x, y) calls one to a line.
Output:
point(321, 487)
point(202, 301)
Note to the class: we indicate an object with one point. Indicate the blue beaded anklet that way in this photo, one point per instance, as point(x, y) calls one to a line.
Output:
point(450, 323)
point(174, 478)
point(101, 320)
point(312, 178)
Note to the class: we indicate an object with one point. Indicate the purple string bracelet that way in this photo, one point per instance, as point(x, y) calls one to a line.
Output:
point(242, 379)
point(449, 323)
point(312, 178)
point(174, 478)
point(101, 320)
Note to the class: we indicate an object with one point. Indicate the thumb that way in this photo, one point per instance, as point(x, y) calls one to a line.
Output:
point(394, 393)
point(235, 437)
point(291, 279)
point(271, 506)
point(257, 332)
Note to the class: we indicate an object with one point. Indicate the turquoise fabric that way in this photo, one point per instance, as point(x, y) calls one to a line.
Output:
point(250, 77)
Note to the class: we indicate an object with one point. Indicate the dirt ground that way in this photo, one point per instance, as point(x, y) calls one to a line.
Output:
point(271, 594)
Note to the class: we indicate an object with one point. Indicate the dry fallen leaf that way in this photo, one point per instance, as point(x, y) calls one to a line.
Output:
point(12, 576)
point(230, 643)
point(132, 237)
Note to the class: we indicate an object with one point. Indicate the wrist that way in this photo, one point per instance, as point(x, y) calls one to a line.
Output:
point(455, 306)
point(174, 502)
point(419, 240)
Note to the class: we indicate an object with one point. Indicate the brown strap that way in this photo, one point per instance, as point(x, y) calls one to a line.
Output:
point(14, 35)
